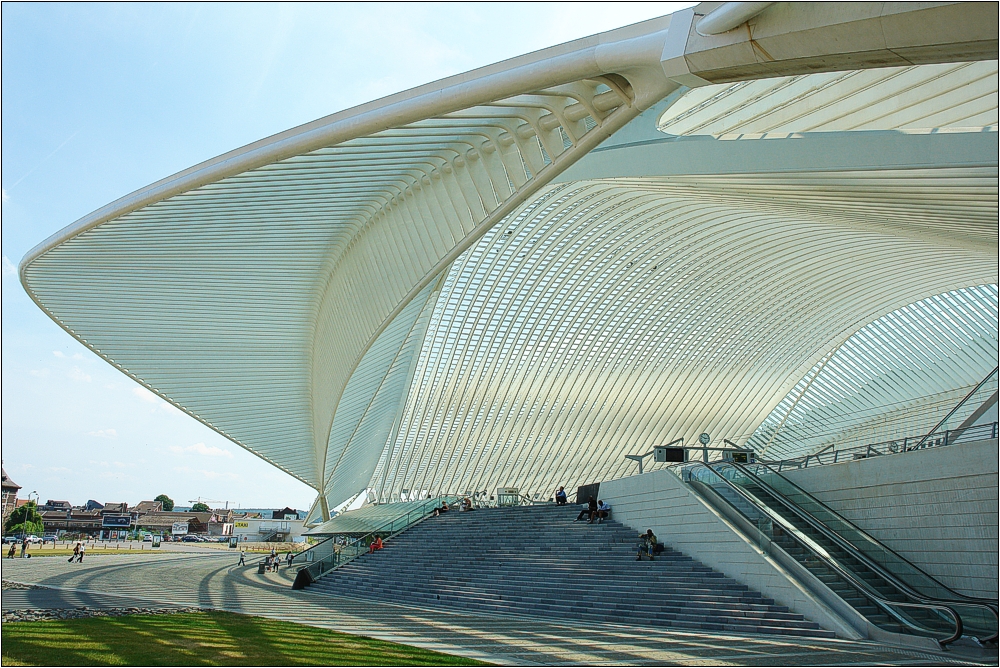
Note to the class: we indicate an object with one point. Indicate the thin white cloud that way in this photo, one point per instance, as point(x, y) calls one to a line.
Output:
point(4, 198)
point(77, 356)
point(201, 449)
point(8, 267)
point(58, 353)
point(103, 433)
point(78, 374)
point(41, 373)
point(145, 395)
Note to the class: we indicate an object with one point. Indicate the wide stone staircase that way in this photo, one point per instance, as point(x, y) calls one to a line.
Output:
point(535, 560)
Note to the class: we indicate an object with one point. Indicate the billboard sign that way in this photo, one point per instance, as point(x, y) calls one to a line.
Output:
point(116, 521)
point(179, 528)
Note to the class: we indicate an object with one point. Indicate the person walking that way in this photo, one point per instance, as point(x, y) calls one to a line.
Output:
point(83, 548)
point(76, 552)
point(24, 546)
point(243, 557)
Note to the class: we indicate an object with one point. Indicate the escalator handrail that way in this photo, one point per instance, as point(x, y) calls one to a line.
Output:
point(853, 551)
point(959, 598)
point(804, 541)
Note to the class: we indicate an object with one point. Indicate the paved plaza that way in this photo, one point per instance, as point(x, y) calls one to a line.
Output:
point(213, 581)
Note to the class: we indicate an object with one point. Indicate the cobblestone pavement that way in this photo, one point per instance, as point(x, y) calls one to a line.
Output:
point(213, 581)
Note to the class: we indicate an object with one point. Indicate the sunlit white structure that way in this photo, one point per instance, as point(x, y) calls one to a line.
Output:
point(518, 275)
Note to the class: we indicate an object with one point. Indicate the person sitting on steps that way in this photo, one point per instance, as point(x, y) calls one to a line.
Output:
point(603, 511)
point(443, 509)
point(590, 510)
point(376, 544)
point(561, 496)
point(647, 544)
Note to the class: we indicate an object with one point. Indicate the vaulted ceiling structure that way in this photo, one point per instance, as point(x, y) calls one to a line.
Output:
point(518, 275)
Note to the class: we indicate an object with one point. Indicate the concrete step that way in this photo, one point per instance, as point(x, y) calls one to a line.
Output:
point(493, 560)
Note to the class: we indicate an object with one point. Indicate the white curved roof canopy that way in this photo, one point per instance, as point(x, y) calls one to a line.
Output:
point(468, 284)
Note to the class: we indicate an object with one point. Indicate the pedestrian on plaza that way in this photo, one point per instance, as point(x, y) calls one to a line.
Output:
point(83, 548)
point(24, 546)
point(243, 558)
point(561, 496)
point(76, 552)
point(288, 559)
point(12, 550)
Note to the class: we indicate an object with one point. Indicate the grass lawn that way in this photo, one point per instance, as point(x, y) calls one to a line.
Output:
point(201, 639)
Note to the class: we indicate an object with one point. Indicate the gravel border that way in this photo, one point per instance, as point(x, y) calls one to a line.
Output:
point(81, 612)
point(84, 612)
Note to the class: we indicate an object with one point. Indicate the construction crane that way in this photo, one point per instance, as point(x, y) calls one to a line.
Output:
point(207, 501)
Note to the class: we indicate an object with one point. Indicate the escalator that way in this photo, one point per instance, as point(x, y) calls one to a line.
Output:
point(840, 536)
point(887, 600)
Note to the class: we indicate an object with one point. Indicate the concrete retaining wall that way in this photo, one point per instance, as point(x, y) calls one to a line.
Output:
point(937, 508)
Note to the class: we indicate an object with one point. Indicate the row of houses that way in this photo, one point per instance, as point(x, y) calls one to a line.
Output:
point(114, 521)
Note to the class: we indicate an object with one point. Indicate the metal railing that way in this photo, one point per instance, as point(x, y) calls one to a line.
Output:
point(987, 383)
point(908, 444)
point(329, 554)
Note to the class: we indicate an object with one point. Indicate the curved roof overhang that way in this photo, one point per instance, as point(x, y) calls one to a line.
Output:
point(285, 293)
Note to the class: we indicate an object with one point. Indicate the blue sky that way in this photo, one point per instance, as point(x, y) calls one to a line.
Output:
point(102, 99)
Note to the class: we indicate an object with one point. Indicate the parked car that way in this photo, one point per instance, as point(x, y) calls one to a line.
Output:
point(33, 539)
point(147, 538)
point(11, 539)
point(191, 538)
point(51, 538)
